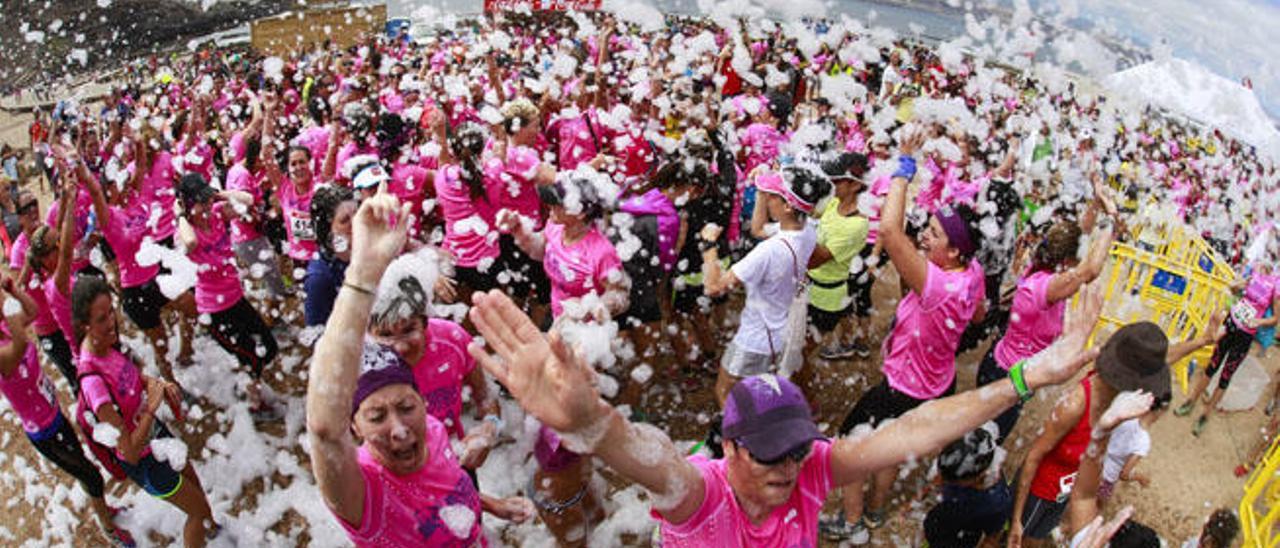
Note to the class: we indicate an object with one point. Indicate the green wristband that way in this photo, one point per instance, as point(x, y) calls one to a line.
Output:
point(1019, 382)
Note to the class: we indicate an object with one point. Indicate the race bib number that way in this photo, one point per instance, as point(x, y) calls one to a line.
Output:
point(301, 227)
point(1065, 483)
point(1243, 313)
point(47, 391)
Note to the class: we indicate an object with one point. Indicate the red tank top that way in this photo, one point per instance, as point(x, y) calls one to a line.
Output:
point(1057, 472)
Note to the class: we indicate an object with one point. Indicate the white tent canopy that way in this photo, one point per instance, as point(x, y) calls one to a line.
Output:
point(1193, 91)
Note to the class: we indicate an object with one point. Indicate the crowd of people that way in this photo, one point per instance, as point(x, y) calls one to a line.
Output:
point(719, 197)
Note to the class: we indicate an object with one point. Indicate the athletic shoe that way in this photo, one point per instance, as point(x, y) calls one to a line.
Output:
point(839, 530)
point(1201, 422)
point(837, 352)
point(1184, 409)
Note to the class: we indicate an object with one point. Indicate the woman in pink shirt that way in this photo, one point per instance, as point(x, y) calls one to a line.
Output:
point(125, 231)
point(1260, 292)
point(514, 173)
point(402, 486)
point(35, 402)
point(124, 402)
point(238, 328)
point(34, 257)
point(576, 256)
point(436, 351)
point(464, 201)
point(252, 247)
point(777, 470)
point(945, 293)
point(1035, 317)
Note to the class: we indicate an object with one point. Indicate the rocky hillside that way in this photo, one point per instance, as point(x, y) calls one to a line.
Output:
point(49, 39)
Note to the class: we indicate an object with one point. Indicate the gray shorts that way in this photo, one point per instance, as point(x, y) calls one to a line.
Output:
point(741, 363)
point(259, 260)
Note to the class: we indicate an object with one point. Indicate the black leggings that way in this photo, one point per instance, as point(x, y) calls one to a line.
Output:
point(241, 331)
point(1231, 350)
point(59, 444)
point(58, 351)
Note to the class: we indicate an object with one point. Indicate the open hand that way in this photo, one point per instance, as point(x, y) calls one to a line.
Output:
point(1126, 405)
point(549, 380)
point(378, 233)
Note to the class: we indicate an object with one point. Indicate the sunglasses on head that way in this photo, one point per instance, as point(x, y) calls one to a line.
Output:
point(796, 454)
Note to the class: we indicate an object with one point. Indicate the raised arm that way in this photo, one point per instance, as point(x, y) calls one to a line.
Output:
point(555, 385)
point(1211, 333)
point(715, 280)
point(11, 353)
point(911, 265)
point(930, 427)
point(335, 366)
point(1064, 284)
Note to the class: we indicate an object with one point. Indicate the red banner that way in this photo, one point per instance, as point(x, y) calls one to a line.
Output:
point(541, 5)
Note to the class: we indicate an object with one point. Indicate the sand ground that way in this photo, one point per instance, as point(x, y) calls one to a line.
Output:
point(1190, 476)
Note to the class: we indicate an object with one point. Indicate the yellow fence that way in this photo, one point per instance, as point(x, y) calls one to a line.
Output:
point(1261, 503)
point(1169, 277)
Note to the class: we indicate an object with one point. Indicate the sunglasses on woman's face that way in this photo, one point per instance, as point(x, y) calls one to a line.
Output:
point(797, 454)
point(29, 207)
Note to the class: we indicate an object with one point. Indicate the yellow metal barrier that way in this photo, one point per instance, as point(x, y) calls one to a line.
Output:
point(1168, 276)
point(1258, 508)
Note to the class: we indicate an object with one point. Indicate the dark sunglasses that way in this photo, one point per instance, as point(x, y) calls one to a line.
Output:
point(796, 454)
point(29, 207)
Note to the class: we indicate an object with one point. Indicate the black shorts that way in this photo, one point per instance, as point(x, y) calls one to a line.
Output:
point(475, 280)
point(880, 404)
point(860, 284)
point(526, 275)
point(824, 320)
point(1229, 353)
point(1040, 517)
point(241, 331)
point(142, 304)
point(157, 478)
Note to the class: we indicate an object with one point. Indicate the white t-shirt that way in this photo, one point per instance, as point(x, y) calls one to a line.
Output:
point(770, 274)
point(1127, 440)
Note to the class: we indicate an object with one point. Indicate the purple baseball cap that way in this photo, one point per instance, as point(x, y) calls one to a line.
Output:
point(769, 416)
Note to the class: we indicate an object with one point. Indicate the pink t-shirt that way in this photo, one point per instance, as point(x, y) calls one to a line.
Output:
point(761, 143)
point(217, 279)
point(239, 178)
point(721, 522)
point(29, 391)
point(441, 371)
point(409, 183)
point(297, 220)
point(118, 375)
point(197, 160)
point(1034, 322)
point(125, 234)
point(575, 137)
point(511, 182)
point(579, 269)
point(919, 356)
point(469, 230)
point(43, 323)
point(1258, 296)
point(158, 195)
point(435, 506)
point(59, 304)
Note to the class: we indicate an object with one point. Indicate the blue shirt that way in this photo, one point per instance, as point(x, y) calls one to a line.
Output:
point(324, 278)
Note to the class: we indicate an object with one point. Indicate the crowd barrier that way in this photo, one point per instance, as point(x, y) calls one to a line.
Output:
point(1260, 505)
point(1168, 276)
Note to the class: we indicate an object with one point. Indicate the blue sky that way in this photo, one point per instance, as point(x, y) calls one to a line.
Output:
point(1234, 38)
